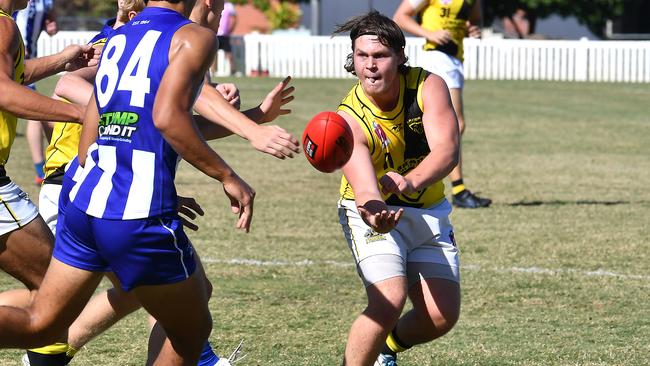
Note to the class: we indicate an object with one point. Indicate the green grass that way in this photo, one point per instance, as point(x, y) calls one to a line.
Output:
point(554, 273)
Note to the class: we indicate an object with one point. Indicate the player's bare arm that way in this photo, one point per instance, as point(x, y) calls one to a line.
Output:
point(441, 130)
point(19, 100)
point(404, 18)
point(75, 87)
point(90, 129)
point(71, 58)
point(272, 140)
point(475, 21)
point(191, 53)
point(361, 175)
point(230, 93)
point(271, 107)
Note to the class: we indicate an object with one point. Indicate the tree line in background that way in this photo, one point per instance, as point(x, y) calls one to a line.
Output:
point(284, 13)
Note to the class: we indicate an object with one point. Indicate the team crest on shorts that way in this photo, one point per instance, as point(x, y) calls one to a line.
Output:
point(373, 236)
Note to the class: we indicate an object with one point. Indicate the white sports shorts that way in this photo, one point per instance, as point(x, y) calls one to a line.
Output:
point(449, 68)
point(48, 204)
point(421, 246)
point(16, 209)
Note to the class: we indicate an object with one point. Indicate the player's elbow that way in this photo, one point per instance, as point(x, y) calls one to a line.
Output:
point(61, 86)
point(162, 119)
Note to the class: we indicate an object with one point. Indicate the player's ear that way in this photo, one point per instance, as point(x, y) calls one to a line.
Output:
point(401, 56)
point(132, 14)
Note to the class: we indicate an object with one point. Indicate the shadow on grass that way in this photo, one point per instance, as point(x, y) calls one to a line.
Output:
point(562, 203)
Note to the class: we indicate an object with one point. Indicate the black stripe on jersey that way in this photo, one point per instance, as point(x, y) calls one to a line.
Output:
point(56, 149)
point(364, 124)
point(376, 116)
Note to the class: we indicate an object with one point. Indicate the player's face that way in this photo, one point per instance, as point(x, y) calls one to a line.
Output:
point(376, 65)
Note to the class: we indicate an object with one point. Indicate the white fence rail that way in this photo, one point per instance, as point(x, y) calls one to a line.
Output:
point(495, 59)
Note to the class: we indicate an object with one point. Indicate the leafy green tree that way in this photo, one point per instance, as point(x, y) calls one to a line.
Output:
point(280, 13)
point(98, 9)
point(592, 13)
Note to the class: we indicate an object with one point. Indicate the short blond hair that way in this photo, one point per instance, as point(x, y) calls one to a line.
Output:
point(124, 7)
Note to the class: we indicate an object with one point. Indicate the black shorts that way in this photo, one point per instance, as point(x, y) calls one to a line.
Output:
point(224, 43)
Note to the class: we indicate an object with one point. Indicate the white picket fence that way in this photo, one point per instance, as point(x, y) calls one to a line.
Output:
point(491, 58)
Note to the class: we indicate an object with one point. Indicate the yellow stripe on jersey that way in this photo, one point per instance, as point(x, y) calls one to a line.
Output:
point(450, 15)
point(7, 120)
point(63, 146)
point(64, 143)
point(10, 211)
point(396, 138)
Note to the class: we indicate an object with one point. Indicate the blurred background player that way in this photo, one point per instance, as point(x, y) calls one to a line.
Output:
point(38, 16)
point(444, 24)
point(226, 27)
point(393, 209)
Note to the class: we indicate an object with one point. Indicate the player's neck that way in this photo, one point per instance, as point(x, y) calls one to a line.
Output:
point(178, 7)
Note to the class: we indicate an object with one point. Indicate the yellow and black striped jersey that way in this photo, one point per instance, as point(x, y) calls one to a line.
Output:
point(396, 138)
point(64, 143)
point(450, 15)
point(7, 120)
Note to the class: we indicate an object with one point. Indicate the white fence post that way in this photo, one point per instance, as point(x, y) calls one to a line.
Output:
point(492, 58)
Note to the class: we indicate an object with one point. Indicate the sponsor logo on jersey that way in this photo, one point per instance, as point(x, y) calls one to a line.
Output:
point(385, 142)
point(118, 124)
point(415, 124)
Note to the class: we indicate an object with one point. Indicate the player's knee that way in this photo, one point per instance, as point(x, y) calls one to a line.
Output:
point(386, 311)
point(442, 322)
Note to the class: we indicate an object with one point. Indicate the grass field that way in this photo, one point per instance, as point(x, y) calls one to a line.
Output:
point(556, 272)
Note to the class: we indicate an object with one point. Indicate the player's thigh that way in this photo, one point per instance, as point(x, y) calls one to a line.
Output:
point(437, 299)
point(181, 308)
point(25, 241)
point(62, 297)
point(378, 256)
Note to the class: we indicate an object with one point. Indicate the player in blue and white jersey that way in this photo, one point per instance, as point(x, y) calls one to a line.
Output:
point(123, 211)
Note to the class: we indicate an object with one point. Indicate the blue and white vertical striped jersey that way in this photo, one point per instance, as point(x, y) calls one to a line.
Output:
point(129, 172)
point(31, 22)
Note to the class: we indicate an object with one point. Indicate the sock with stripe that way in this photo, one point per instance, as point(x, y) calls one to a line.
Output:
point(52, 355)
point(394, 345)
point(457, 187)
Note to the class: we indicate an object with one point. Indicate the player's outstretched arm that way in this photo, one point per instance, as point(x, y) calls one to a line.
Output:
point(441, 130)
point(274, 104)
point(404, 18)
point(361, 175)
point(272, 140)
point(72, 58)
point(191, 53)
point(19, 100)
